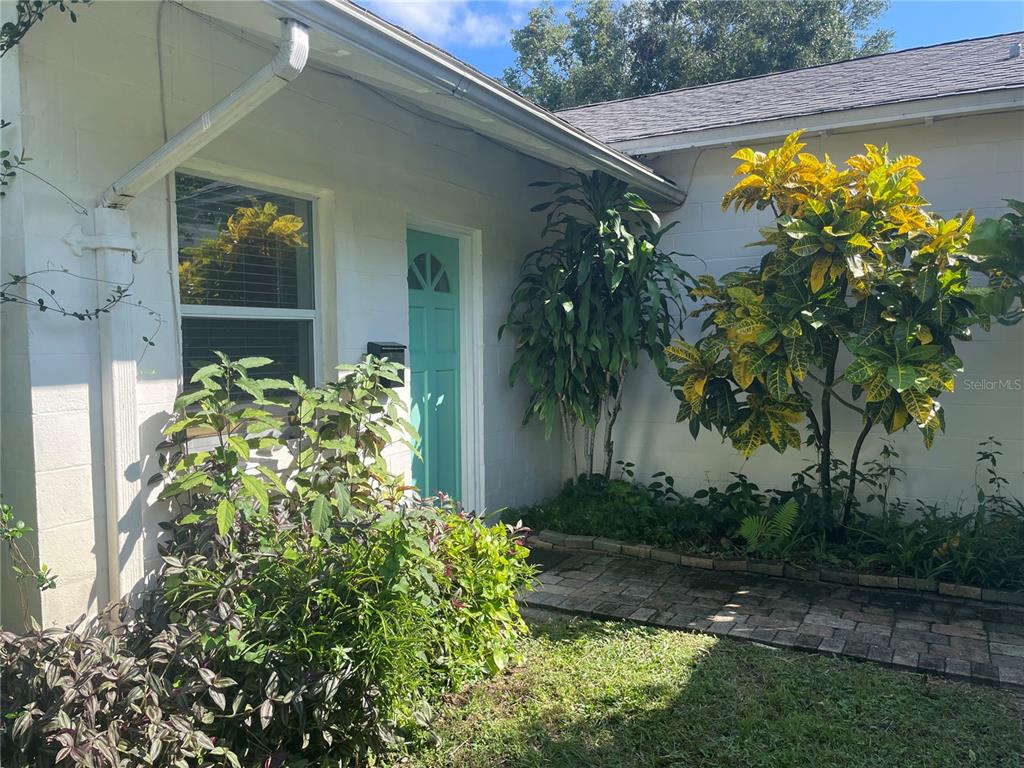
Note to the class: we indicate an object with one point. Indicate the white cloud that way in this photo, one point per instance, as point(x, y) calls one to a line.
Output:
point(448, 22)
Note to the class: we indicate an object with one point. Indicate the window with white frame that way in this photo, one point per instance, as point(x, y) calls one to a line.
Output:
point(245, 276)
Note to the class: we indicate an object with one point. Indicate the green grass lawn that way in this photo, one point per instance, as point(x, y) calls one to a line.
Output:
point(594, 695)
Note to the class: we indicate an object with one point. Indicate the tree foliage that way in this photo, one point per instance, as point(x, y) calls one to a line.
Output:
point(254, 236)
point(863, 292)
point(605, 50)
point(591, 303)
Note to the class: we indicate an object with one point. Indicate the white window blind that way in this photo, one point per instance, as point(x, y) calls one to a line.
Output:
point(245, 276)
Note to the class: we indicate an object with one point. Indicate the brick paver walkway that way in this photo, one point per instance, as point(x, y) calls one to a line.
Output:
point(957, 638)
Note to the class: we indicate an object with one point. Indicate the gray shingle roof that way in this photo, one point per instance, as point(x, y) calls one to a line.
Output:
point(967, 66)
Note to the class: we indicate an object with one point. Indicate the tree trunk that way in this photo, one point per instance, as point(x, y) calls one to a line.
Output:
point(569, 430)
point(852, 486)
point(825, 449)
point(613, 414)
point(589, 438)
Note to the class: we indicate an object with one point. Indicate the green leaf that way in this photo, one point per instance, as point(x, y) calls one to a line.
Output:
point(320, 515)
point(206, 372)
point(253, 362)
point(343, 499)
point(777, 379)
point(226, 513)
point(860, 370)
point(901, 377)
point(239, 446)
point(257, 490)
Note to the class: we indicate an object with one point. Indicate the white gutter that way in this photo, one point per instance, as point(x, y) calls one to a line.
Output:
point(114, 246)
point(840, 121)
point(431, 66)
point(282, 69)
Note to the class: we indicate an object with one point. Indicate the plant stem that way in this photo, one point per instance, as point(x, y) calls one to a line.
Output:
point(613, 414)
point(591, 440)
point(825, 452)
point(852, 487)
point(569, 430)
point(836, 395)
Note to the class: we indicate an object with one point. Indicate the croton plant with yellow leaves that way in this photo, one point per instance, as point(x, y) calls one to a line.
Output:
point(863, 291)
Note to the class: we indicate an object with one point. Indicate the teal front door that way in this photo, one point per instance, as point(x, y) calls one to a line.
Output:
point(434, 361)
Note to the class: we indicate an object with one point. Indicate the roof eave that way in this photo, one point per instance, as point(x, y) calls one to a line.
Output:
point(397, 48)
point(939, 107)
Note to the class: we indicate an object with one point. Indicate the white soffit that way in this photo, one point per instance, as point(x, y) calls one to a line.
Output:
point(535, 132)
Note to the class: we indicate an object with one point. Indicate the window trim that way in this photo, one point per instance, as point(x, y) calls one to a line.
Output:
point(321, 201)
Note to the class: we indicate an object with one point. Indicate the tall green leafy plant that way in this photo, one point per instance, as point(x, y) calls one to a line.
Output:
point(862, 292)
point(999, 243)
point(340, 604)
point(309, 610)
point(593, 302)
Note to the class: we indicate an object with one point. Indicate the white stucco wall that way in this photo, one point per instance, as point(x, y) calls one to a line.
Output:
point(90, 110)
point(971, 162)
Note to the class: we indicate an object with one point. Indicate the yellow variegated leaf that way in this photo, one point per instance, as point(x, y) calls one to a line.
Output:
point(777, 433)
point(819, 269)
point(919, 405)
point(747, 328)
point(680, 350)
point(899, 419)
point(747, 155)
point(877, 388)
point(793, 438)
point(747, 442)
point(741, 371)
point(778, 380)
point(693, 390)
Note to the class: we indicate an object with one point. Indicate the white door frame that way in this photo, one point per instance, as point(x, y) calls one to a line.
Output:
point(471, 353)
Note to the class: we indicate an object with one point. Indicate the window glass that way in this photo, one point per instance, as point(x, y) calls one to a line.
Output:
point(245, 276)
point(287, 342)
point(240, 247)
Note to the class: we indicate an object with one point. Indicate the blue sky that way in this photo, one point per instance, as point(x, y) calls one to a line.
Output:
point(477, 31)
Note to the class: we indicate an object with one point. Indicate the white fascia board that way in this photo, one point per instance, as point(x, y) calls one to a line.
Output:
point(397, 48)
point(844, 121)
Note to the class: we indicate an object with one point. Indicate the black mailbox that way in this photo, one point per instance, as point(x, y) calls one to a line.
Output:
point(391, 351)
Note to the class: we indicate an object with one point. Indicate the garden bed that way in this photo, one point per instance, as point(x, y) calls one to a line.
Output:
point(706, 561)
point(977, 553)
point(598, 695)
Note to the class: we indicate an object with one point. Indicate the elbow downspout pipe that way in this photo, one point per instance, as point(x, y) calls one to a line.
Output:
point(114, 248)
point(286, 66)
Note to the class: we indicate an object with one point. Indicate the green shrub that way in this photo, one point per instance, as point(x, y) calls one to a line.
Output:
point(982, 546)
point(618, 509)
point(316, 608)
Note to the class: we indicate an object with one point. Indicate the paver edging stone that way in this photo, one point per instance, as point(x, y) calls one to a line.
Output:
point(548, 538)
point(1008, 678)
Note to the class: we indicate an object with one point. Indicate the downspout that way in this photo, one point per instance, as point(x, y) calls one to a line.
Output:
point(114, 246)
point(285, 67)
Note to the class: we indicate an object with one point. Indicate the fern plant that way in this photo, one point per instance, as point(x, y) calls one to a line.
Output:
point(773, 534)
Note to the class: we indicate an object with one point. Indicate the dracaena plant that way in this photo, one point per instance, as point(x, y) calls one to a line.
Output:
point(863, 292)
point(999, 244)
point(591, 304)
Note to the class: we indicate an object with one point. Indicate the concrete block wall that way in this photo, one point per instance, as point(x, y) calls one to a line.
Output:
point(91, 108)
point(970, 162)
